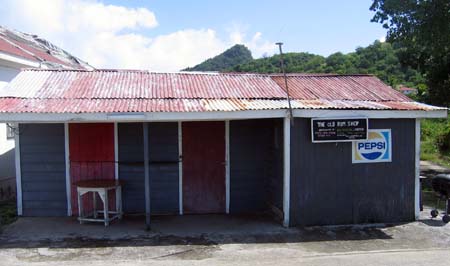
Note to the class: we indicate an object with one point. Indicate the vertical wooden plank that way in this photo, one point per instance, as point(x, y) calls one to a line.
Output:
point(67, 161)
point(286, 171)
point(116, 152)
point(417, 171)
point(18, 171)
point(227, 166)
point(180, 167)
point(147, 176)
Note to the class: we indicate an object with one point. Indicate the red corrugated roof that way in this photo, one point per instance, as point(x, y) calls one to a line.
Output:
point(9, 48)
point(38, 50)
point(76, 91)
point(36, 54)
point(340, 87)
point(125, 84)
point(18, 105)
point(406, 89)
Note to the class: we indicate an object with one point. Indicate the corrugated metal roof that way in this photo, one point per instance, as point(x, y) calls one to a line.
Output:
point(100, 91)
point(17, 105)
point(123, 84)
point(38, 50)
point(339, 87)
point(9, 48)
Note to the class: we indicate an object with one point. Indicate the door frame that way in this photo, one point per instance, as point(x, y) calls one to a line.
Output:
point(227, 166)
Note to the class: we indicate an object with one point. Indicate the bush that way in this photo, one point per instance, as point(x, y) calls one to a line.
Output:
point(443, 140)
point(435, 141)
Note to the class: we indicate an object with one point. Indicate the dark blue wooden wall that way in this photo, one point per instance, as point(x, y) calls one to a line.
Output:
point(164, 181)
point(42, 163)
point(255, 165)
point(326, 188)
point(131, 166)
point(163, 149)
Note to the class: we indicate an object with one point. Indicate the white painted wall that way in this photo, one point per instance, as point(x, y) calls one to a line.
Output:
point(7, 74)
point(7, 169)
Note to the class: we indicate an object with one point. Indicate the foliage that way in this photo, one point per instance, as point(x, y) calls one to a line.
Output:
point(443, 140)
point(435, 140)
point(238, 54)
point(422, 29)
point(378, 58)
point(8, 212)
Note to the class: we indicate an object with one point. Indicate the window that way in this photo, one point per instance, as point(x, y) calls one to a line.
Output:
point(9, 131)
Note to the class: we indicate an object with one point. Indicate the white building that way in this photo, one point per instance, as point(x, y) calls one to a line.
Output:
point(20, 50)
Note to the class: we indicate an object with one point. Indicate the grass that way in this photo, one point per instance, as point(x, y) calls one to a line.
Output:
point(434, 144)
point(8, 212)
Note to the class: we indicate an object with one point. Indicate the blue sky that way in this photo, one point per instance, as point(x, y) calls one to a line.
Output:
point(169, 35)
point(320, 26)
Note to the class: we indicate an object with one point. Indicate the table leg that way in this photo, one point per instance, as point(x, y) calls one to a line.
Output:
point(119, 201)
point(94, 201)
point(80, 206)
point(105, 207)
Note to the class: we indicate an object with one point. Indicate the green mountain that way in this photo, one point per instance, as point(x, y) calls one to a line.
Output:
point(238, 54)
point(380, 59)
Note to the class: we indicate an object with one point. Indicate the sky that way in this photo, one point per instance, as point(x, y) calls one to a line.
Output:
point(169, 35)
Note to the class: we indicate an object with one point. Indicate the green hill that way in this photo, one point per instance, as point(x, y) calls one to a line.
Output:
point(379, 59)
point(238, 54)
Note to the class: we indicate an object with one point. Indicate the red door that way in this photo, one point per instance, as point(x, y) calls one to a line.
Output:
point(91, 148)
point(203, 167)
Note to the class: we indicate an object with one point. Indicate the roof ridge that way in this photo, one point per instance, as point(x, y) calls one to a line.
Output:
point(118, 70)
point(320, 75)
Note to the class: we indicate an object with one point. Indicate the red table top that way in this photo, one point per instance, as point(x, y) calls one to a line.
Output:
point(98, 183)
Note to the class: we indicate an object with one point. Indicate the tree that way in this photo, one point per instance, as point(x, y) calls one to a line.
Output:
point(421, 31)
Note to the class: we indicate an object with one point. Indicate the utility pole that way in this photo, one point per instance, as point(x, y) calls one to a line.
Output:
point(291, 116)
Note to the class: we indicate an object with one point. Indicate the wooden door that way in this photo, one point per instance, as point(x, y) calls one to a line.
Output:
point(203, 147)
point(91, 148)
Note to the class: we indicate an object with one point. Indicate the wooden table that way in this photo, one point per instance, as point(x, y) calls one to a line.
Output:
point(101, 187)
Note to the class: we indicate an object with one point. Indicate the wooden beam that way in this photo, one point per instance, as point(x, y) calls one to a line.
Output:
point(116, 151)
point(417, 171)
point(180, 168)
point(211, 116)
point(67, 161)
point(18, 171)
point(227, 165)
point(286, 170)
point(147, 176)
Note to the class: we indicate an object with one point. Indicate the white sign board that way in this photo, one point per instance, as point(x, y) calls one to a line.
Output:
point(377, 148)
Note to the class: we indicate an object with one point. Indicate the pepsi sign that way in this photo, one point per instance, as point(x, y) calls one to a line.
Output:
point(377, 148)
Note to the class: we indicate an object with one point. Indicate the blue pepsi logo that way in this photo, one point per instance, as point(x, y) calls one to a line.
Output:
point(375, 148)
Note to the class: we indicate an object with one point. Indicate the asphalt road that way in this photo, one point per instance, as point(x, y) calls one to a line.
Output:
point(243, 256)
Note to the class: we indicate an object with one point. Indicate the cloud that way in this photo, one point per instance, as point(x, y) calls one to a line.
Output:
point(113, 36)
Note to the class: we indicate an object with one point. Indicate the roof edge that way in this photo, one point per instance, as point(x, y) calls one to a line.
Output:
point(213, 115)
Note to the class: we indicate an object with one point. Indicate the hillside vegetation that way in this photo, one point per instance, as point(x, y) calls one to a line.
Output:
point(238, 54)
point(379, 59)
point(435, 141)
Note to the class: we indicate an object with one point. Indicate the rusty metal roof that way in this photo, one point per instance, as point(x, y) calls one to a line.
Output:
point(38, 50)
point(100, 91)
point(18, 105)
point(126, 84)
point(340, 87)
